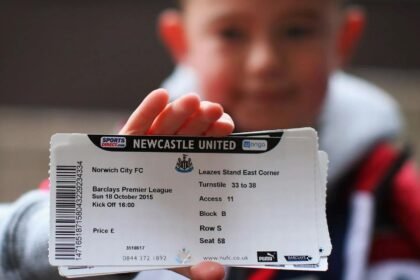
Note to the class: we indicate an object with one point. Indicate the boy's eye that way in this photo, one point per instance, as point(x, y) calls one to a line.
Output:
point(231, 34)
point(298, 32)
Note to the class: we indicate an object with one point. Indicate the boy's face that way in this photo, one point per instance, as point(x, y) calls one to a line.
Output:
point(266, 61)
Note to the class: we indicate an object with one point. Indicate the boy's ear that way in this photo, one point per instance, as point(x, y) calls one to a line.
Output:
point(171, 31)
point(351, 33)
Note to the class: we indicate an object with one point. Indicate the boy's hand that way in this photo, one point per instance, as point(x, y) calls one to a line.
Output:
point(185, 116)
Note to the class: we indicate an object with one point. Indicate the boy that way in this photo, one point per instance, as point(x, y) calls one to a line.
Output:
point(271, 64)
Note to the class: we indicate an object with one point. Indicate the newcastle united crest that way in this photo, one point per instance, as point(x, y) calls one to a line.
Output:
point(184, 165)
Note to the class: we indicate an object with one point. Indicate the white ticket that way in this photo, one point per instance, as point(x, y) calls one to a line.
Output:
point(325, 244)
point(175, 201)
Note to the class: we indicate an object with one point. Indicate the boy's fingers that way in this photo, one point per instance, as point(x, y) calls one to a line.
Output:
point(142, 118)
point(203, 271)
point(185, 116)
point(222, 127)
point(175, 115)
point(201, 120)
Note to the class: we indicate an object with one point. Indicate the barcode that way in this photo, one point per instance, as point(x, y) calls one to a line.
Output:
point(65, 222)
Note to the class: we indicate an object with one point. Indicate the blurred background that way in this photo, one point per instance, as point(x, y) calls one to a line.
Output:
point(83, 66)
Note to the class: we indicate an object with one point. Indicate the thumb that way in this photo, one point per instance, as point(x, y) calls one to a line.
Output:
point(203, 271)
point(207, 271)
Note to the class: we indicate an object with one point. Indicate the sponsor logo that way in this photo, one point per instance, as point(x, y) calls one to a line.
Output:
point(184, 164)
point(267, 256)
point(298, 258)
point(254, 145)
point(113, 142)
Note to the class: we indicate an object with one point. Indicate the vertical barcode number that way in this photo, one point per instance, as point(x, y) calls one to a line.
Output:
point(65, 222)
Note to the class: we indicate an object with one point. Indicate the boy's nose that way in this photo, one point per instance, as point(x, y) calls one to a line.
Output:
point(264, 60)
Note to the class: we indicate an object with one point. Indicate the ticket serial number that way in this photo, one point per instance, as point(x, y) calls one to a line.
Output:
point(143, 258)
